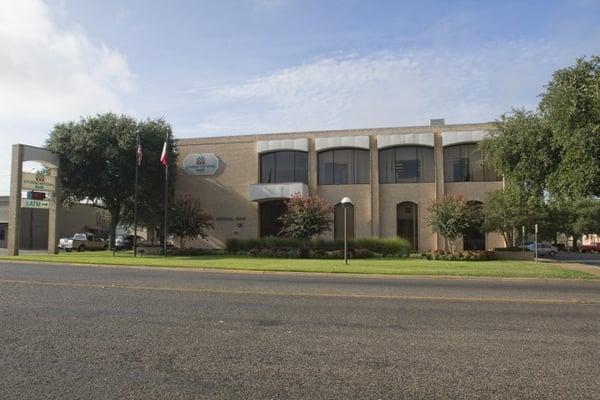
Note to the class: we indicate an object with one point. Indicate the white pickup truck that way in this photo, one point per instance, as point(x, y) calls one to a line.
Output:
point(82, 242)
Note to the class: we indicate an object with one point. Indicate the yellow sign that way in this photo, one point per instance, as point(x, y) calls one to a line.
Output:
point(30, 203)
point(38, 181)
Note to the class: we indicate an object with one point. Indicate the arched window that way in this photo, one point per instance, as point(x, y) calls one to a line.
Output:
point(406, 164)
point(338, 221)
point(407, 223)
point(463, 163)
point(284, 166)
point(344, 167)
point(474, 238)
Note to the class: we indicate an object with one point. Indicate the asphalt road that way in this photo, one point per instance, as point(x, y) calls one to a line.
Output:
point(84, 332)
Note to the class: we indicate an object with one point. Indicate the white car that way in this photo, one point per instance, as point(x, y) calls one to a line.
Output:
point(82, 242)
point(543, 249)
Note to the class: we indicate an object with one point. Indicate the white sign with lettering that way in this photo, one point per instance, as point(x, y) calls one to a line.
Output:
point(30, 203)
point(40, 181)
point(201, 164)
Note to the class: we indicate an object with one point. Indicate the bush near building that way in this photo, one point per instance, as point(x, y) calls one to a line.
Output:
point(297, 248)
point(459, 255)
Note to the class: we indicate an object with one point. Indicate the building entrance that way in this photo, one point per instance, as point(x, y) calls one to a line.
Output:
point(270, 211)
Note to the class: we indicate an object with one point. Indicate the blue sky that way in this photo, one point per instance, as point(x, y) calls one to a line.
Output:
point(248, 66)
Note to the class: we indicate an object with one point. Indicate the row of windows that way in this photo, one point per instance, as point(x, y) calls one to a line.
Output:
point(402, 164)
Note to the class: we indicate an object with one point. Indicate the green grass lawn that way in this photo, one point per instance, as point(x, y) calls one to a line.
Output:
point(404, 266)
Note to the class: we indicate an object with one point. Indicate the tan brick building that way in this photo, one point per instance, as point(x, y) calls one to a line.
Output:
point(391, 175)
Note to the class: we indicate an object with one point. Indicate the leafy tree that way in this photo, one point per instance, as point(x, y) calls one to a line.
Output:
point(450, 217)
point(553, 152)
point(187, 221)
point(519, 146)
point(571, 107)
point(97, 156)
point(587, 217)
point(305, 217)
point(505, 211)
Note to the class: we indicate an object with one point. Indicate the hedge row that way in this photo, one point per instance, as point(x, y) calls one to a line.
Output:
point(319, 248)
point(459, 255)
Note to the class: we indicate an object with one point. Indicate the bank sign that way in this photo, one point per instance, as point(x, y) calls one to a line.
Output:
point(38, 181)
point(30, 203)
point(201, 164)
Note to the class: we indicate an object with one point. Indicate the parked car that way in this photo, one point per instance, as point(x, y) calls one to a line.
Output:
point(82, 242)
point(543, 249)
point(125, 242)
point(590, 248)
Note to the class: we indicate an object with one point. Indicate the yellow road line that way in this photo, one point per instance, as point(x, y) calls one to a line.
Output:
point(305, 294)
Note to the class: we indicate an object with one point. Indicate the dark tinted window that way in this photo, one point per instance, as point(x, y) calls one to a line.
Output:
point(463, 163)
point(406, 164)
point(284, 166)
point(344, 166)
point(407, 223)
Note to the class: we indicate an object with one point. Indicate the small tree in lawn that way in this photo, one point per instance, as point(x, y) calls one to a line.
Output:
point(305, 217)
point(187, 221)
point(449, 217)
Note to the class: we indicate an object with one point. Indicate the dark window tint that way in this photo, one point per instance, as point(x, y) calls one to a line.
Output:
point(270, 211)
point(407, 223)
point(284, 166)
point(406, 164)
point(463, 163)
point(2, 232)
point(344, 166)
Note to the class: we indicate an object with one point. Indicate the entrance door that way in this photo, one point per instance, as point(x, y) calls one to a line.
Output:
point(407, 223)
point(474, 239)
point(270, 211)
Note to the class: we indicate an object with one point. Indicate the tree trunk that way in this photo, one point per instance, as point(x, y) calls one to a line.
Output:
point(115, 215)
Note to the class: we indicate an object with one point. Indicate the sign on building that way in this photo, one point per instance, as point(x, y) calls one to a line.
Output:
point(30, 203)
point(38, 181)
point(201, 164)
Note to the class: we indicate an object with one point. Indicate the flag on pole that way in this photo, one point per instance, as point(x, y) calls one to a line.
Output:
point(138, 152)
point(164, 158)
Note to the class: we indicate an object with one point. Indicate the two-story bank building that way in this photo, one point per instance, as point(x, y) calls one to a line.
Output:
point(391, 175)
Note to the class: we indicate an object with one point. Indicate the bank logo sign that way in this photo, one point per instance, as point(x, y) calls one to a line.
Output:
point(201, 164)
point(40, 181)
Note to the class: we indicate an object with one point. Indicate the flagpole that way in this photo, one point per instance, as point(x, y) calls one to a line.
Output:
point(166, 193)
point(135, 205)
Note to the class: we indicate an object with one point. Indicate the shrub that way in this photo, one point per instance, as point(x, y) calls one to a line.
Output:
point(387, 247)
point(319, 248)
point(458, 256)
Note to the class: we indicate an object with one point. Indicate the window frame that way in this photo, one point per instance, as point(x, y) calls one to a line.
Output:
point(418, 149)
point(295, 171)
point(476, 170)
point(352, 170)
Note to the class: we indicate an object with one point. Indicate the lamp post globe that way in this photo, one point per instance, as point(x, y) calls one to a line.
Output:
point(346, 202)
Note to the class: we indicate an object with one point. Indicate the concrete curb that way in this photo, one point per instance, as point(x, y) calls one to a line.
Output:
point(299, 273)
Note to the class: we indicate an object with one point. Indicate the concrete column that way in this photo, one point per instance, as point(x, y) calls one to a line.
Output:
point(375, 223)
point(53, 215)
point(312, 168)
point(439, 177)
point(14, 202)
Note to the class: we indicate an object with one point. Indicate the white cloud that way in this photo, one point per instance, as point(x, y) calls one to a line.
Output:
point(389, 89)
point(49, 72)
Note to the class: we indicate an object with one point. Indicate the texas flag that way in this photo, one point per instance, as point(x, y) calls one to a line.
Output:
point(164, 157)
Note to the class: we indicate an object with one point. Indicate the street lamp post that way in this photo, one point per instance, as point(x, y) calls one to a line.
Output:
point(346, 202)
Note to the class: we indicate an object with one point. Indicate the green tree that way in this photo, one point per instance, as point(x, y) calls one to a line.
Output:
point(553, 152)
point(97, 156)
point(450, 217)
point(305, 217)
point(587, 217)
point(188, 221)
point(571, 107)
